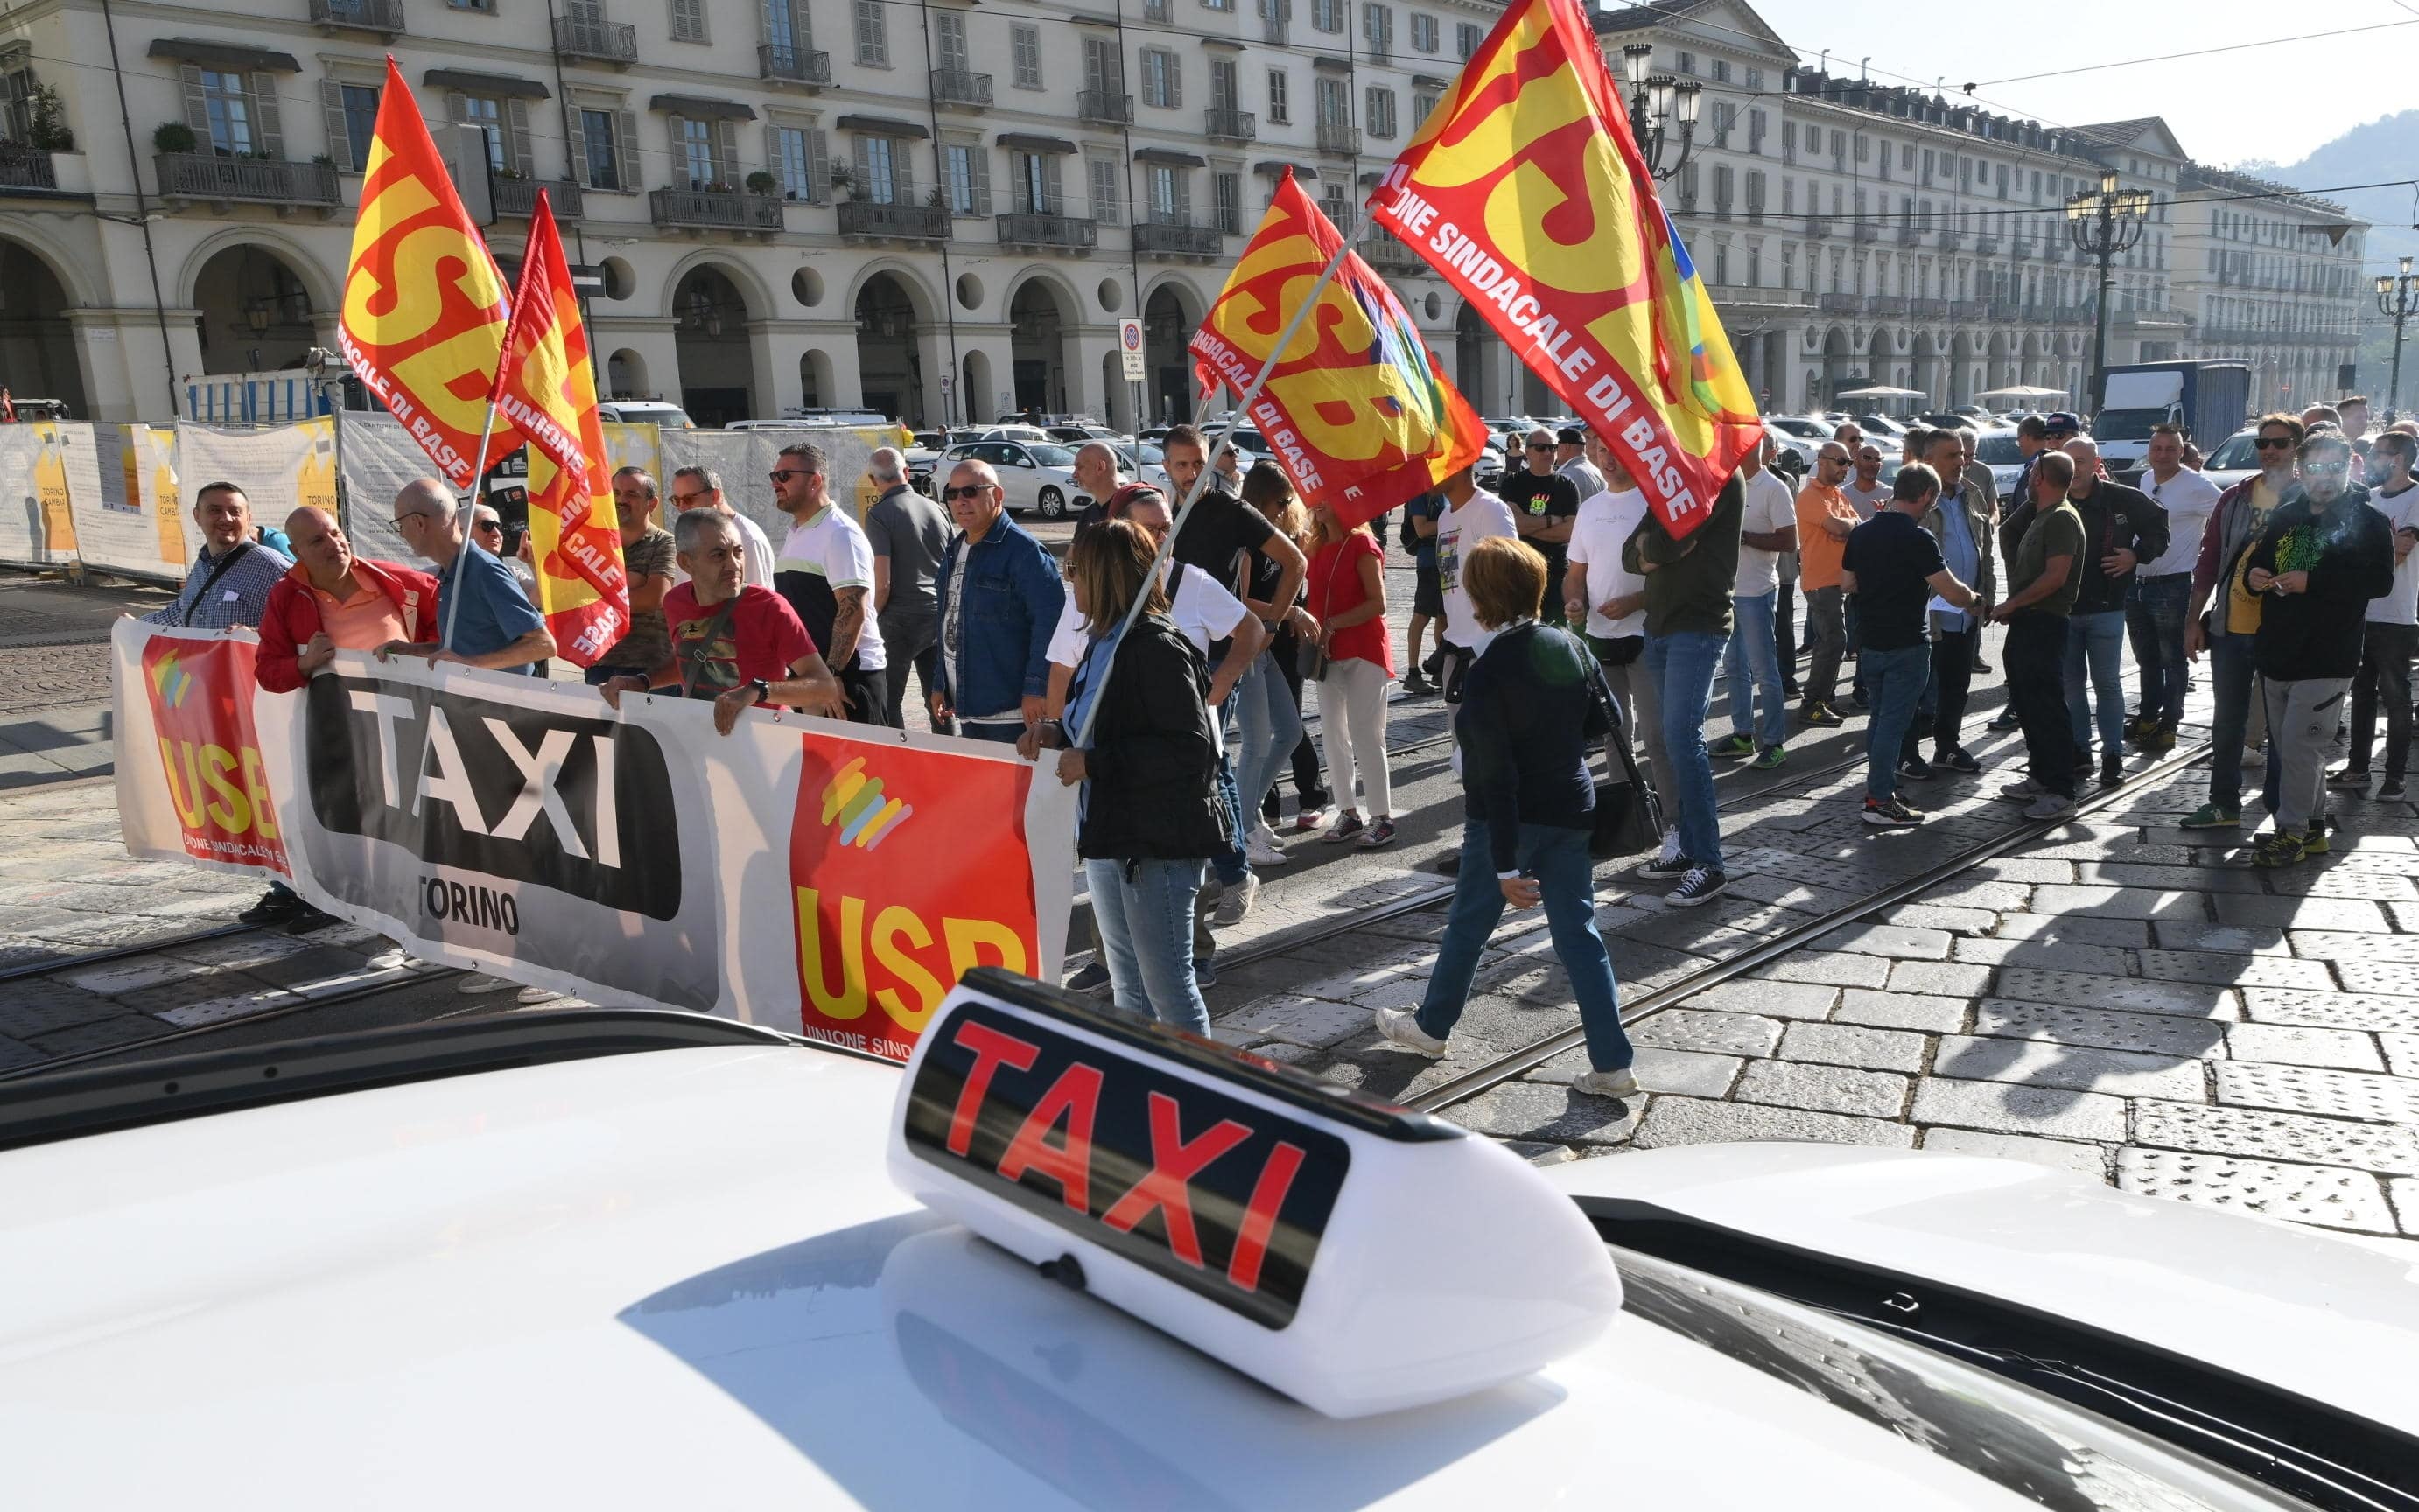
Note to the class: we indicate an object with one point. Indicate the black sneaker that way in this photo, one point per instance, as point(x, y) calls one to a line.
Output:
point(1660, 870)
point(2083, 764)
point(1093, 978)
point(1791, 690)
point(1891, 811)
point(2112, 773)
point(1959, 760)
point(1821, 715)
point(1917, 769)
point(306, 919)
point(1702, 884)
point(2390, 789)
point(1417, 685)
point(1982, 666)
point(276, 906)
point(2004, 722)
point(2347, 777)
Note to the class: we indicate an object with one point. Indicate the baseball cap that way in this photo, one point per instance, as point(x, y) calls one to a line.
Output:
point(2062, 423)
point(1570, 436)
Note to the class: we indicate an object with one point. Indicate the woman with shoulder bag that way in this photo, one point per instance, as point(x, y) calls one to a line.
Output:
point(1346, 584)
point(1267, 489)
point(1149, 819)
point(1529, 713)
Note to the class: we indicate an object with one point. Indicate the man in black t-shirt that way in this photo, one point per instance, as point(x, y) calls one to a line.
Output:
point(1892, 567)
point(1544, 505)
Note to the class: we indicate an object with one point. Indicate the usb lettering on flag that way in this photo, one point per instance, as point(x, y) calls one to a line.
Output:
point(547, 389)
point(1356, 409)
point(1525, 190)
point(424, 306)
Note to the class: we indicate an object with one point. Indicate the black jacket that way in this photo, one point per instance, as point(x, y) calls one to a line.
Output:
point(2115, 515)
point(2348, 552)
point(1527, 719)
point(1153, 764)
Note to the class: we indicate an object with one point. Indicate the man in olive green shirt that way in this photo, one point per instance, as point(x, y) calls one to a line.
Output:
point(2043, 580)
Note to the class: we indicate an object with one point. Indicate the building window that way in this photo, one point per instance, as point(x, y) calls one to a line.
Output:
point(1154, 10)
point(1218, 5)
point(1755, 123)
point(949, 34)
point(1108, 188)
point(1424, 32)
point(1380, 110)
point(1162, 85)
point(695, 141)
point(1378, 28)
point(1279, 112)
point(1327, 15)
point(1036, 184)
point(1424, 105)
point(1024, 42)
point(1688, 63)
point(1725, 122)
point(878, 174)
point(688, 20)
point(958, 180)
point(793, 162)
point(1466, 37)
point(1228, 189)
point(1168, 200)
point(873, 33)
point(1722, 75)
point(361, 103)
point(228, 101)
point(600, 137)
point(1755, 79)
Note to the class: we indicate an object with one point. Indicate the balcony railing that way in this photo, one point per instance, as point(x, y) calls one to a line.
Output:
point(956, 86)
point(1868, 231)
point(384, 17)
point(1378, 52)
point(517, 198)
point(22, 168)
point(910, 223)
point(1035, 229)
point(2003, 310)
point(1908, 236)
point(607, 42)
point(1842, 305)
point(714, 209)
point(1950, 240)
point(1928, 309)
point(1223, 123)
point(1888, 304)
point(1338, 136)
point(1817, 228)
point(1169, 238)
point(246, 180)
point(1986, 246)
point(1387, 254)
point(784, 64)
point(1104, 107)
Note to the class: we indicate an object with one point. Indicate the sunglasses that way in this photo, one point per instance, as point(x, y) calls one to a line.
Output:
point(785, 474)
point(2325, 470)
point(972, 491)
point(685, 499)
point(2273, 444)
point(1541, 446)
point(496, 526)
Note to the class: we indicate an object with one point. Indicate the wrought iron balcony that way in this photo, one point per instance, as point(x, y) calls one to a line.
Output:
point(1385, 253)
point(384, 17)
point(956, 86)
point(1169, 238)
point(1842, 305)
point(1817, 228)
point(26, 168)
point(605, 41)
point(905, 223)
point(1223, 123)
point(246, 180)
point(1339, 136)
point(714, 209)
point(1104, 107)
point(1888, 304)
point(1868, 231)
point(517, 198)
point(1986, 246)
point(1908, 236)
point(784, 64)
point(1929, 309)
point(1950, 240)
point(1035, 229)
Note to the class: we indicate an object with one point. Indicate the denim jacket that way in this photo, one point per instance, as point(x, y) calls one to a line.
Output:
point(1009, 610)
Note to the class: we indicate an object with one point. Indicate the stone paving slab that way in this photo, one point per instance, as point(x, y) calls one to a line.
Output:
point(2060, 1154)
point(2192, 999)
point(2332, 1197)
point(2221, 969)
point(2123, 934)
point(2006, 1108)
point(2301, 912)
point(1687, 1120)
point(2105, 1029)
point(2380, 977)
point(1824, 1089)
point(2270, 1135)
point(2077, 1067)
point(1848, 1044)
point(1922, 1011)
point(2056, 955)
point(2349, 1011)
point(2343, 1049)
point(2332, 1093)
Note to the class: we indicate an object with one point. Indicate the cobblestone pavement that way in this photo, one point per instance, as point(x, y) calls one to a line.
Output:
point(55, 720)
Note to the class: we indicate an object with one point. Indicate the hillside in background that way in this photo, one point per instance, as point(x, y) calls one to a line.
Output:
point(2384, 149)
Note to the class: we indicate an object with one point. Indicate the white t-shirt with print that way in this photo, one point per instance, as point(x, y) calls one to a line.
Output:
point(1458, 530)
point(2401, 512)
point(1604, 526)
point(1771, 506)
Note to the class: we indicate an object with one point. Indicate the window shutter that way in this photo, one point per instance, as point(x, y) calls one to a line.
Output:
point(1174, 79)
point(818, 165)
point(1052, 186)
point(263, 89)
point(576, 150)
point(864, 166)
point(626, 132)
point(517, 155)
point(688, 20)
point(902, 177)
point(726, 152)
point(458, 110)
point(197, 103)
point(332, 112)
point(772, 162)
point(978, 174)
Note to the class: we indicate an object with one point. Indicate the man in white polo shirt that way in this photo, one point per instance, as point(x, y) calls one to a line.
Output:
point(826, 571)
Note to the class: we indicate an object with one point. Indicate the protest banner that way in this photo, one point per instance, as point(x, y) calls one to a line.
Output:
point(636, 858)
point(191, 776)
point(39, 461)
point(135, 527)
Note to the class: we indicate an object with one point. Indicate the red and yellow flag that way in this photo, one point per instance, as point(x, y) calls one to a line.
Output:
point(424, 306)
point(1356, 409)
point(1526, 191)
point(546, 391)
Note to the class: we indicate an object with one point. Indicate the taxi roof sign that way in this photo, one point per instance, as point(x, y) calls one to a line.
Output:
point(1288, 1227)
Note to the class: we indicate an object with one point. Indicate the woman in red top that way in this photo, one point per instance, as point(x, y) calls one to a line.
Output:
point(1346, 584)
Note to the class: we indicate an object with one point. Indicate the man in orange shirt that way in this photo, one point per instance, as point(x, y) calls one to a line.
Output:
point(335, 601)
point(1825, 518)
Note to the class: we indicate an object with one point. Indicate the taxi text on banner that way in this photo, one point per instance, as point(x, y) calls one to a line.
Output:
point(547, 389)
point(424, 306)
point(814, 876)
point(1525, 190)
point(1356, 409)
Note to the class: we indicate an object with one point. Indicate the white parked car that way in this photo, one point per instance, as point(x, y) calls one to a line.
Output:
point(646, 412)
point(2235, 459)
point(1996, 449)
point(610, 1259)
point(1038, 476)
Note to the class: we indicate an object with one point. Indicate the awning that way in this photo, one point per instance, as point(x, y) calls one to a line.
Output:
point(1224, 45)
point(1331, 65)
point(882, 126)
point(1081, 19)
point(1276, 167)
point(1170, 157)
point(1371, 180)
point(501, 85)
point(1428, 81)
point(702, 108)
point(223, 55)
point(1026, 142)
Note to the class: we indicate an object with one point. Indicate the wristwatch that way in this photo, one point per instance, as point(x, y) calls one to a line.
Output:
point(763, 689)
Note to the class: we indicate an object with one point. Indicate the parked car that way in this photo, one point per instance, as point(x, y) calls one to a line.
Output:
point(646, 412)
point(2235, 458)
point(1035, 476)
point(1079, 435)
point(1997, 451)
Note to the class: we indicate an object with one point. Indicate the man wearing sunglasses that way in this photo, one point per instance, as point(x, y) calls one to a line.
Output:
point(1544, 505)
point(826, 571)
point(2221, 574)
point(696, 487)
point(999, 596)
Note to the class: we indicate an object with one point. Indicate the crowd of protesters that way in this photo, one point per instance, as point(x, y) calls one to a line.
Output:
point(1556, 615)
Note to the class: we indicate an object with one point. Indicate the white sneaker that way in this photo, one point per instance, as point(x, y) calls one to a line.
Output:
point(1606, 1084)
point(1264, 852)
point(479, 983)
point(2255, 756)
point(1400, 1027)
point(1262, 833)
point(1237, 901)
point(1671, 850)
point(532, 996)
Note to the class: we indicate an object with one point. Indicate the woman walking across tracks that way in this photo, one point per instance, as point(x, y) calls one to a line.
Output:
point(1529, 710)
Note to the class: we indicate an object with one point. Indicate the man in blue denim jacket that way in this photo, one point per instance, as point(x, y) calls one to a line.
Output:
point(1000, 595)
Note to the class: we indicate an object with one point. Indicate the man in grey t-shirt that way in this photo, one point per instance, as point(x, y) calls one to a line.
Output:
point(909, 533)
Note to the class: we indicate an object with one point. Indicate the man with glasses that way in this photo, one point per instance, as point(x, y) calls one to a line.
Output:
point(2221, 573)
point(487, 529)
point(695, 487)
point(647, 562)
point(826, 571)
point(2154, 611)
point(2319, 561)
point(1959, 521)
point(999, 596)
point(1866, 491)
point(482, 617)
point(1544, 504)
point(1825, 519)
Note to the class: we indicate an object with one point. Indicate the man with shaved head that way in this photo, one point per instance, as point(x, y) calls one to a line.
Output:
point(999, 596)
point(497, 626)
point(2121, 528)
point(333, 600)
point(908, 533)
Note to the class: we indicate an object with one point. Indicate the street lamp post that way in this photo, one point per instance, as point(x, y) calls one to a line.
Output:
point(2397, 297)
point(2104, 222)
point(1662, 110)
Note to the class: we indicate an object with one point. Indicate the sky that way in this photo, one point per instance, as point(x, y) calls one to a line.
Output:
point(2276, 102)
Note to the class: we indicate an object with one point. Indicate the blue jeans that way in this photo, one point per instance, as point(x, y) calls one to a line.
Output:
point(1270, 725)
point(2154, 618)
point(1754, 665)
point(1558, 858)
point(1231, 867)
point(1894, 680)
point(1145, 911)
point(2095, 643)
point(2230, 670)
point(1682, 665)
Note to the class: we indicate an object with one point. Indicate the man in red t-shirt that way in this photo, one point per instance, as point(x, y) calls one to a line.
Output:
point(736, 645)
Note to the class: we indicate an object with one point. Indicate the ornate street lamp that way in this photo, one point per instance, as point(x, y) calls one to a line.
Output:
point(2398, 298)
point(1662, 110)
point(2104, 222)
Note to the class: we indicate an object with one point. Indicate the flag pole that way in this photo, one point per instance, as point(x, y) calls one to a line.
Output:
point(479, 467)
point(1209, 452)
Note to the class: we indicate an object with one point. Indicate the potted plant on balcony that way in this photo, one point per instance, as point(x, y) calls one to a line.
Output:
point(46, 125)
point(763, 184)
point(173, 136)
point(844, 181)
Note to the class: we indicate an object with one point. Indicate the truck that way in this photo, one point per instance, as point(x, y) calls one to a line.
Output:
point(2208, 399)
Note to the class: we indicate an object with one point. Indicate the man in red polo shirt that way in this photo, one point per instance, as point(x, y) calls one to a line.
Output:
point(333, 600)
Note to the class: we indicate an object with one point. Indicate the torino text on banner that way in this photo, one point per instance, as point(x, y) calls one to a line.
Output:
point(1525, 190)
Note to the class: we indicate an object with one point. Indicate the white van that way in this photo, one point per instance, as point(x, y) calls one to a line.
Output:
point(646, 412)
